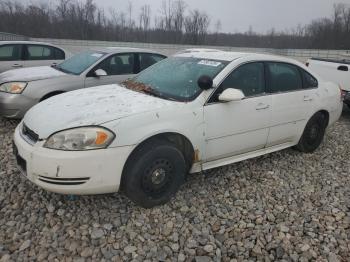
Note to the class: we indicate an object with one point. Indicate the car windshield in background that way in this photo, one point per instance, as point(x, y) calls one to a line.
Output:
point(176, 77)
point(80, 62)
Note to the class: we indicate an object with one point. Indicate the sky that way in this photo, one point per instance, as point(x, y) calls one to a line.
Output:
point(239, 15)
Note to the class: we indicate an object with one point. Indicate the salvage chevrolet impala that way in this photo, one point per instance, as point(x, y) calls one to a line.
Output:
point(191, 112)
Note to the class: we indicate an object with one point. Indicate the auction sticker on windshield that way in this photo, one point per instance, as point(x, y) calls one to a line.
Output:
point(209, 63)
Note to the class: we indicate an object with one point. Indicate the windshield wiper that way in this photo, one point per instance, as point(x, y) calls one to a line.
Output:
point(157, 94)
point(141, 87)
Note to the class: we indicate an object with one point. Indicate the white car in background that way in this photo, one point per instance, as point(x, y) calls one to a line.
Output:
point(337, 71)
point(19, 54)
point(188, 113)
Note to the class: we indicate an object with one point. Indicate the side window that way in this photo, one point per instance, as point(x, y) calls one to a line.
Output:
point(283, 77)
point(10, 53)
point(249, 78)
point(309, 80)
point(121, 64)
point(40, 52)
point(146, 60)
point(59, 54)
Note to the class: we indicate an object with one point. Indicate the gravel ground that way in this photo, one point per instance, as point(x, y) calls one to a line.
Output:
point(284, 206)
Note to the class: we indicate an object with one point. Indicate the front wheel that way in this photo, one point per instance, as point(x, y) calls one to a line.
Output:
point(154, 173)
point(313, 134)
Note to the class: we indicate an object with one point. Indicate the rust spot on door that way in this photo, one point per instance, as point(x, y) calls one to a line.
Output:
point(196, 156)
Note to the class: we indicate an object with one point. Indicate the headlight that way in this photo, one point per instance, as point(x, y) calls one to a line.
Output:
point(13, 87)
point(79, 139)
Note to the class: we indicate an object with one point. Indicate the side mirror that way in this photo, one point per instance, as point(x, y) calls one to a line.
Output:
point(205, 82)
point(99, 73)
point(231, 94)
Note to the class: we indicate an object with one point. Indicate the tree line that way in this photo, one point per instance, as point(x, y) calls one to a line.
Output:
point(173, 23)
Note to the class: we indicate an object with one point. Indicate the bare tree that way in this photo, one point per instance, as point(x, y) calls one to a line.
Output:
point(174, 23)
point(167, 14)
point(130, 10)
point(178, 9)
point(145, 20)
point(196, 26)
point(145, 17)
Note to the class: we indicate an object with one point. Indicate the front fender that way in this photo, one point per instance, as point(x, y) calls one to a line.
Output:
point(135, 129)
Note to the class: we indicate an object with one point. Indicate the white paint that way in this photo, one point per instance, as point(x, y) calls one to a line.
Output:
point(92, 106)
point(223, 133)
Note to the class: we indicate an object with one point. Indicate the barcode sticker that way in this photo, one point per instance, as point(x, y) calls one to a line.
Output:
point(209, 63)
point(96, 55)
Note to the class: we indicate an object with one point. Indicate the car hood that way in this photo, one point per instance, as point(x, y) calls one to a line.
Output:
point(91, 106)
point(30, 74)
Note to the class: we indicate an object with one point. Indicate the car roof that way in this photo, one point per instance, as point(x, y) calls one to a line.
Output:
point(24, 42)
point(229, 56)
point(28, 42)
point(114, 50)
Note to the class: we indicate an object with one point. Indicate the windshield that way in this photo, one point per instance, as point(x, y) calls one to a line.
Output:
point(176, 77)
point(80, 62)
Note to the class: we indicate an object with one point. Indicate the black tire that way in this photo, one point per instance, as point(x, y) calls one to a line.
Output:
point(313, 134)
point(154, 173)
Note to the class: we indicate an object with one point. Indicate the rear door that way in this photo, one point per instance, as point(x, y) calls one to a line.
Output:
point(42, 55)
point(292, 102)
point(119, 67)
point(11, 57)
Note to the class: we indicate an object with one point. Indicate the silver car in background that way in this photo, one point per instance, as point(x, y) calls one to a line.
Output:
point(19, 54)
point(21, 89)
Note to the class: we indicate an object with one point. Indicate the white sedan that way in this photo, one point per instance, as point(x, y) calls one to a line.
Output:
point(192, 112)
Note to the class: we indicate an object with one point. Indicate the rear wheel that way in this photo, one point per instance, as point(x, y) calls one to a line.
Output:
point(313, 134)
point(154, 173)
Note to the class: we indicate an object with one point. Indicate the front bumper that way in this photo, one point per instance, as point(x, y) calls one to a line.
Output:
point(14, 105)
point(66, 172)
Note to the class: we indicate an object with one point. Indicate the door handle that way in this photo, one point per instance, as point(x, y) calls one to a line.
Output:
point(307, 99)
point(262, 106)
point(17, 65)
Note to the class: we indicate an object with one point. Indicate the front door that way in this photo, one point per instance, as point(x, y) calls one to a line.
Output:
point(238, 127)
point(118, 67)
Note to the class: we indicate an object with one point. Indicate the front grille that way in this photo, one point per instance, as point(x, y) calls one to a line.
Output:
point(29, 134)
point(64, 181)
